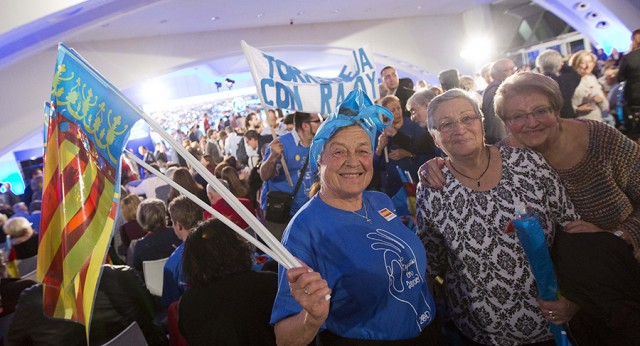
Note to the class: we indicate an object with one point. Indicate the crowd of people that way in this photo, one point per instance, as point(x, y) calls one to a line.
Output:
point(396, 209)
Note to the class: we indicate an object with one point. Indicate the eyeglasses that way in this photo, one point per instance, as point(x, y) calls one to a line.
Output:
point(466, 121)
point(312, 121)
point(538, 114)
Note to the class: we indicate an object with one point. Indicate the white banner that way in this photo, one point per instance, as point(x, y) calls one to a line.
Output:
point(281, 85)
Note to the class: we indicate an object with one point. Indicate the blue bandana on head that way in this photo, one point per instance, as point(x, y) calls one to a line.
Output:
point(356, 108)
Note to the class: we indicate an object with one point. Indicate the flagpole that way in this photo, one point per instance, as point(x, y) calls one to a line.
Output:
point(282, 160)
point(205, 206)
point(257, 226)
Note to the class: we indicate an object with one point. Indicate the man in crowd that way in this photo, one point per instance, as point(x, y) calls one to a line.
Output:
point(185, 215)
point(391, 84)
point(294, 147)
point(231, 144)
point(551, 64)
point(221, 206)
point(148, 185)
point(147, 156)
point(629, 73)
point(251, 155)
point(494, 128)
point(213, 148)
point(252, 122)
point(415, 139)
point(449, 79)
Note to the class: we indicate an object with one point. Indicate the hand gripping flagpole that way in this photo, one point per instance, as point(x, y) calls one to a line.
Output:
point(283, 162)
point(288, 261)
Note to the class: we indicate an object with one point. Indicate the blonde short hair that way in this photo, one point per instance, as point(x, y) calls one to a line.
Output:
point(16, 227)
point(580, 55)
point(129, 206)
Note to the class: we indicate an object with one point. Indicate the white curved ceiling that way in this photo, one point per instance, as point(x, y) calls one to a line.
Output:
point(130, 40)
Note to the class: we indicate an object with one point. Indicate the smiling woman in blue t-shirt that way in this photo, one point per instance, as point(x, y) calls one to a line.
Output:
point(353, 247)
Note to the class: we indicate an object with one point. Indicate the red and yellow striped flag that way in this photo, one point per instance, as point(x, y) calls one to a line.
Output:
point(88, 126)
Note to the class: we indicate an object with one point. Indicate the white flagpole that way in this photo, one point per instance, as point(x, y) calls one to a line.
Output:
point(205, 206)
point(253, 222)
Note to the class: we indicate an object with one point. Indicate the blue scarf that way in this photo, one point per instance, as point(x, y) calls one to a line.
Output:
point(358, 109)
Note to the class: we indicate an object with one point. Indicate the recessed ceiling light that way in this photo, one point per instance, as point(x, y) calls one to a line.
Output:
point(581, 6)
point(213, 19)
point(336, 11)
point(300, 13)
point(419, 7)
point(260, 15)
point(592, 15)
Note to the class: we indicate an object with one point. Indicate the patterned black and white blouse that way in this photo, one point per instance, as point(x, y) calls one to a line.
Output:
point(490, 290)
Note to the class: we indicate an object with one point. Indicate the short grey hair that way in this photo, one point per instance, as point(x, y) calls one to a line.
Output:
point(421, 97)
point(449, 95)
point(152, 214)
point(210, 188)
point(549, 62)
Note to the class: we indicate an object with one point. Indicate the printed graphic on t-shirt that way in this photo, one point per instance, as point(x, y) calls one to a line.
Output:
point(404, 275)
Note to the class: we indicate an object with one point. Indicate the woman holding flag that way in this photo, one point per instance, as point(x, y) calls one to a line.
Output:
point(357, 251)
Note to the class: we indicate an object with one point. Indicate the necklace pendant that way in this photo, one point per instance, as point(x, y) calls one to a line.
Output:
point(478, 181)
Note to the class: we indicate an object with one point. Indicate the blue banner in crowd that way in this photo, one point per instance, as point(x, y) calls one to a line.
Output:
point(281, 85)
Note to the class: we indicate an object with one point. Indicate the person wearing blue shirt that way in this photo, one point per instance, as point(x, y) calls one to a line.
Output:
point(294, 147)
point(185, 215)
point(362, 275)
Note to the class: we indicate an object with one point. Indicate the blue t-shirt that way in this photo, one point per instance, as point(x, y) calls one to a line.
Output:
point(376, 270)
point(295, 154)
point(173, 281)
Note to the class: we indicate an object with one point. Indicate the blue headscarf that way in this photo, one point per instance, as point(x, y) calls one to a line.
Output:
point(356, 108)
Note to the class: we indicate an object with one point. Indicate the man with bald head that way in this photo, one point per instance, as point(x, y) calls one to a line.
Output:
point(494, 128)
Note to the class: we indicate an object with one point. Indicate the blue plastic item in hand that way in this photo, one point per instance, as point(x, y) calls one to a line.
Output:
point(532, 239)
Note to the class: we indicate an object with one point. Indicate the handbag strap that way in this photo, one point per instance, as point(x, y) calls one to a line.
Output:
point(301, 177)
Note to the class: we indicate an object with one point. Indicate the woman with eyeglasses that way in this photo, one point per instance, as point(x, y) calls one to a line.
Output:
point(599, 168)
point(490, 291)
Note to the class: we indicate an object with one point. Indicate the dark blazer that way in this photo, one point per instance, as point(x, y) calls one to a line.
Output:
point(630, 73)
point(568, 80)
point(154, 246)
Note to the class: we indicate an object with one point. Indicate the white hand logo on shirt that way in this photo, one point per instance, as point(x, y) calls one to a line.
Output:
point(404, 275)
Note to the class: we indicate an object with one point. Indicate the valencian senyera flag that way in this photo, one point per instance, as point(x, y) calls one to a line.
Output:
point(87, 128)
